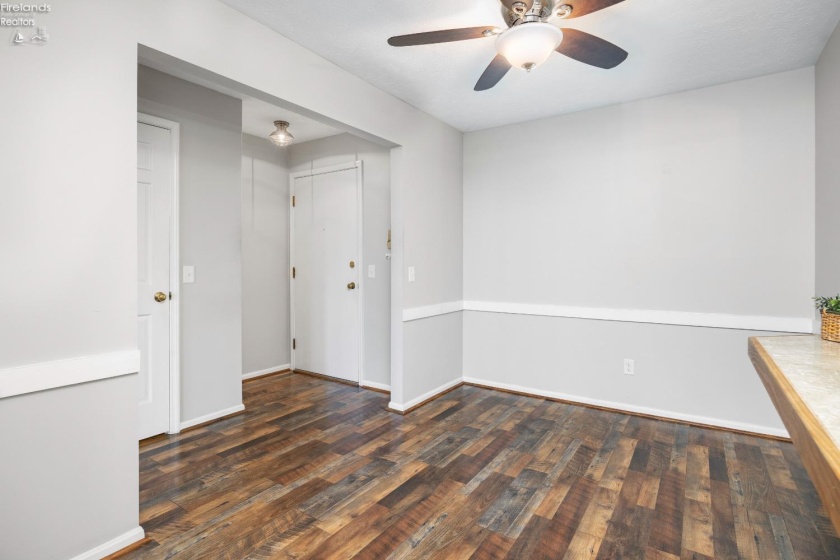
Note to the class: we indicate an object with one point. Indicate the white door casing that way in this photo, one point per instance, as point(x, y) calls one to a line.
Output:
point(326, 236)
point(157, 325)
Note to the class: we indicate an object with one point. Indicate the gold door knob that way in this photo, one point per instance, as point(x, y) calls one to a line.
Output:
point(160, 297)
point(351, 286)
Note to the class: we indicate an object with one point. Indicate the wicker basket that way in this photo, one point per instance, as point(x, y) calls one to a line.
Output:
point(830, 326)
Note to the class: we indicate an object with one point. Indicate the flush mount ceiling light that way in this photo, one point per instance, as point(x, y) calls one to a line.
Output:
point(527, 46)
point(531, 37)
point(281, 137)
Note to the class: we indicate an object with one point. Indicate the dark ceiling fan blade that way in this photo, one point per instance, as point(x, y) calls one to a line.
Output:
point(494, 72)
point(442, 36)
point(590, 49)
point(583, 7)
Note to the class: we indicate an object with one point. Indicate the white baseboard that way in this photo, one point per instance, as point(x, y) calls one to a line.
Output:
point(212, 416)
point(402, 407)
point(61, 373)
point(727, 424)
point(266, 371)
point(110, 547)
point(375, 385)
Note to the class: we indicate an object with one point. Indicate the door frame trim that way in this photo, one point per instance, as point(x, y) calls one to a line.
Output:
point(358, 166)
point(174, 129)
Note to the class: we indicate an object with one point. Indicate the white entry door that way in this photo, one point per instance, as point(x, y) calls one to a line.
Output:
point(155, 181)
point(326, 256)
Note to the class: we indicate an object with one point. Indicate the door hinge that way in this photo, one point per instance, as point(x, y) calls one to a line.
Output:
point(293, 272)
point(293, 202)
point(294, 344)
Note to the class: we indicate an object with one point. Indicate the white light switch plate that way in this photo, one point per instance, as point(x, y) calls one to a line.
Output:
point(371, 271)
point(411, 276)
point(189, 275)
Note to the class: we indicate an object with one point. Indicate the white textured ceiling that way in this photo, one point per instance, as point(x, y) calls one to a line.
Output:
point(258, 120)
point(674, 45)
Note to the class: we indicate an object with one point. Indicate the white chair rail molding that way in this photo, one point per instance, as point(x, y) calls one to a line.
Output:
point(685, 318)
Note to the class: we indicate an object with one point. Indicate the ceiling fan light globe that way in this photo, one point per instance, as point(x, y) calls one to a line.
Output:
point(528, 45)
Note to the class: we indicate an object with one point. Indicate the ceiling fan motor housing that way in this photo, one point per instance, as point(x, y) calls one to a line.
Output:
point(515, 13)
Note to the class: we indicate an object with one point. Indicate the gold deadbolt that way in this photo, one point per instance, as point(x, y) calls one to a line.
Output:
point(160, 297)
point(352, 264)
point(351, 286)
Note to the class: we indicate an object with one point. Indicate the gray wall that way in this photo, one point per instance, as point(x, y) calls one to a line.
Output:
point(828, 168)
point(434, 213)
point(75, 485)
point(265, 256)
point(376, 171)
point(210, 233)
point(428, 370)
point(700, 201)
point(692, 373)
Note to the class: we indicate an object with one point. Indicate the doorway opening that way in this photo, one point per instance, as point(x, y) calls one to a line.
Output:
point(232, 304)
point(299, 310)
point(316, 268)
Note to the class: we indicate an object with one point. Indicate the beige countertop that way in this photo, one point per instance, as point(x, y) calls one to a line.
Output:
point(812, 366)
point(802, 377)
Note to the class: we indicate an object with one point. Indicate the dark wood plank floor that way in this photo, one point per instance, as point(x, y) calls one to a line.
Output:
point(316, 469)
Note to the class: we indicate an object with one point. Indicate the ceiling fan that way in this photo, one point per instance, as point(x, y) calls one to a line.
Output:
point(529, 39)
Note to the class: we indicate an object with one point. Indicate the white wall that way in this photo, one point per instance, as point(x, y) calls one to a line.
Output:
point(438, 362)
point(265, 256)
point(701, 202)
point(828, 168)
point(376, 171)
point(68, 473)
point(210, 234)
point(68, 224)
point(673, 203)
point(434, 224)
point(689, 373)
point(71, 203)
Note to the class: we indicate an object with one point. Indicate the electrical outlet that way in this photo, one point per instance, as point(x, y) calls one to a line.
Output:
point(411, 275)
point(371, 271)
point(629, 367)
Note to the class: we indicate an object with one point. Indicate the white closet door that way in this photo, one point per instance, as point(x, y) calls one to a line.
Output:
point(155, 179)
point(326, 285)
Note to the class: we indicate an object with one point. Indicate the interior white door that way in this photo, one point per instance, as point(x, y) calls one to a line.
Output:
point(155, 179)
point(326, 257)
